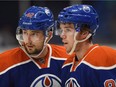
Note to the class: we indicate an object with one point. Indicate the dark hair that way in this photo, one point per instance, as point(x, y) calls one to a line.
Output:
point(84, 28)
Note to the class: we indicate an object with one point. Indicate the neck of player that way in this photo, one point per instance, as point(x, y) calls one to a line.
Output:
point(82, 48)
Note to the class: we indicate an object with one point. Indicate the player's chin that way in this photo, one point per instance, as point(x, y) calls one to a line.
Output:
point(68, 50)
point(30, 51)
point(66, 46)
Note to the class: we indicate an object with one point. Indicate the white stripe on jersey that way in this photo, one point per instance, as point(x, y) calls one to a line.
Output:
point(15, 65)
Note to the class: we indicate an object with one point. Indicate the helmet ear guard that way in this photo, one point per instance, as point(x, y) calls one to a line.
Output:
point(51, 29)
point(19, 36)
point(57, 28)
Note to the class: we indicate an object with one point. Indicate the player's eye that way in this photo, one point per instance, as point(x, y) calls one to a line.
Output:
point(68, 30)
point(60, 31)
point(24, 32)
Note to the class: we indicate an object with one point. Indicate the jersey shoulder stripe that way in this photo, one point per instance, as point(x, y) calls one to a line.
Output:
point(69, 60)
point(12, 57)
point(101, 56)
point(59, 52)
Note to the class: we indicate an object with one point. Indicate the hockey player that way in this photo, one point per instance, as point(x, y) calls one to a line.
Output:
point(94, 65)
point(36, 63)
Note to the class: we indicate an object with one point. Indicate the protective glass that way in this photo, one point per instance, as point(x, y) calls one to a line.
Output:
point(57, 28)
point(24, 36)
point(59, 31)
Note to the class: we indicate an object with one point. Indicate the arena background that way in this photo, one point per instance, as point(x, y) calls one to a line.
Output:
point(10, 11)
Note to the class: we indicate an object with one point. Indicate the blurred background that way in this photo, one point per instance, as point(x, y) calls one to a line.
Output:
point(11, 11)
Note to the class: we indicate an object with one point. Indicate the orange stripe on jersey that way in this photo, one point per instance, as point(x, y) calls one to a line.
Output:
point(59, 52)
point(70, 59)
point(102, 56)
point(12, 57)
point(55, 52)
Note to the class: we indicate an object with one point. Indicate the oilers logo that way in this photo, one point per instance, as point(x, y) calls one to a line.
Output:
point(71, 82)
point(46, 80)
point(86, 8)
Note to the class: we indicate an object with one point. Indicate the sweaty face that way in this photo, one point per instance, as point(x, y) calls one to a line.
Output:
point(34, 41)
point(67, 35)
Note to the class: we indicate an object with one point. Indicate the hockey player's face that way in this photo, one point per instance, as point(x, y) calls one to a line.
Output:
point(34, 41)
point(67, 35)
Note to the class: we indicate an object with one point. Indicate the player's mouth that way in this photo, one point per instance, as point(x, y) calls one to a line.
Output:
point(65, 43)
point(30, 46)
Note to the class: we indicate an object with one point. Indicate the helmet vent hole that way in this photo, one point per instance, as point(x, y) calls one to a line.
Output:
point(66, 16)
point(39, 14)
point(69, 12)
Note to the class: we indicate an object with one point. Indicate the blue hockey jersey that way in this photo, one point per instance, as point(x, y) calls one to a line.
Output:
point(96, 69)
point(19, 70)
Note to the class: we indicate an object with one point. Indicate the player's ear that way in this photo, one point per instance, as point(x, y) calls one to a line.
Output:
point(84, 34)
point(49, 36)
point(50, 33)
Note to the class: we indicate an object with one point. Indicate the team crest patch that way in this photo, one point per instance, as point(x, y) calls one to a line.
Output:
point(71, 82)
point(86, 9)
point(46, 80)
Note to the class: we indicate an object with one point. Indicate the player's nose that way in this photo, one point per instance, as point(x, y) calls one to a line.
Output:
point(62, 35)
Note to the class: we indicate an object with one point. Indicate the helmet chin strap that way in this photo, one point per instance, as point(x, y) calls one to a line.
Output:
point(78, 41)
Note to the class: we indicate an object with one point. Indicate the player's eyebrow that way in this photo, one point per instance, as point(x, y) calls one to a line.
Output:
point(35, 30)
point(67, 27)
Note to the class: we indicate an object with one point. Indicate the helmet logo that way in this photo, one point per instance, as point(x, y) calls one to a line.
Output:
point(47, 12)
point(29, 15)
point(86, 9)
